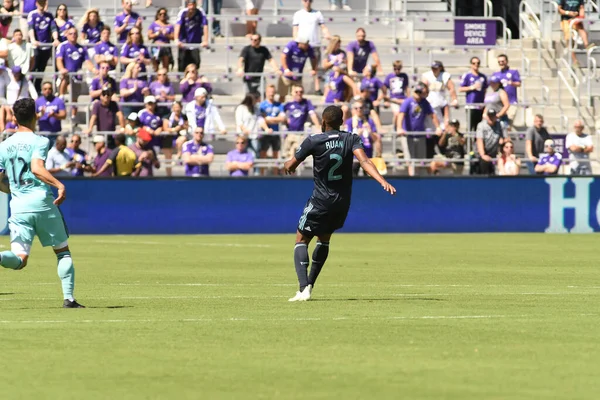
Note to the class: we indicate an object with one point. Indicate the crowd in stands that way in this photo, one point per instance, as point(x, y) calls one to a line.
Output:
point(134, 99)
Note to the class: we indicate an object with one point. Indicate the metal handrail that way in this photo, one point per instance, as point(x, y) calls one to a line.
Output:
point(488, 8)
point(569, 88)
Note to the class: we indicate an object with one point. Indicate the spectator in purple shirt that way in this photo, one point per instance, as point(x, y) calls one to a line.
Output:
point(550, 161)
point(377, 89)
point(40, 34)
point(239, 161)
point(102, 154)
point(102, 82)
point(70, 58)
point(341, 88)
point(134, 50)
point(105, 50)
point(61, 24)
point(145, 153)
point(511, 80)
point(50, 110)
point(163, 91)
point(151, 122)
point(91, 26)
point(126, 20)
point(299, 113)
point(413, 114)
point(27, 6)
point(359, 51)
point(191, 27)
point(293, 59)
point(191, 82)
point(132, 89)
point(79, 156)
point(474, 84)
point(161, 31)
point(366, 129)
point(397, 84)
point(197, 155)
point(334, 55)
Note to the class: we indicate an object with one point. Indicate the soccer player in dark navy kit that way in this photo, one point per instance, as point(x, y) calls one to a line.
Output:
point(325, 212)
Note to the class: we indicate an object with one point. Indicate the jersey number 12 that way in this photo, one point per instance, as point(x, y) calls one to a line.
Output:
point(24, 169)
point(334, 167)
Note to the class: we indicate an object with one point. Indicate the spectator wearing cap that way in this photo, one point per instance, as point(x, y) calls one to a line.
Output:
point(132, 89)
point(192, 28)
point(134, 50)
point(452, 148)
point(131, 128)
point(105, 50)
point(204, 114)
point(192, 82)
point(106, 117)
point(511, 80)
point(126, 21)
point(176, 125)
point(440, 84)
point(293, 59)
point(39, 22)
point(197, 155)
point(239, 160)
point(397, 84)
point(252, 61)
point(535, 139)
point(162, 89)
point(497, 100)
point(580, 145)
point(70, 58)
point(19, 87)
point(122, 159)
point(549, 161)
point(59, 162)
point(489, 135)
point(474, 84)
point(151, 122)
point(50, 110)
point(20, 53)
point(102, 154)
point(412, 117)
point(79, 156)
point(145, 153)
point(102, 82)
point(508, 163)
point(307, 22)
point(358, 52)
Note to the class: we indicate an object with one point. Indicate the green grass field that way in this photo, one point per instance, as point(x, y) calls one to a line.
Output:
point(392, 317)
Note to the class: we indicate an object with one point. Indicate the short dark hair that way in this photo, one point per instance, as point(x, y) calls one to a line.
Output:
point(333, 117)
point(503, 55)
point(106, 28)
point(24, 110)
point(120, 138)
point(17, 30)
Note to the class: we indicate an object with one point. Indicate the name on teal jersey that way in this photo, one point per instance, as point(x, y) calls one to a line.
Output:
point(334, 144)
point(17, 147)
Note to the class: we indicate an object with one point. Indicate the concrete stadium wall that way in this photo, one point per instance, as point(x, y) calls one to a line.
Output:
point(190, 206)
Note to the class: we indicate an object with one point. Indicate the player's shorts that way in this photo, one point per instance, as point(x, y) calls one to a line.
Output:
point(49, 226)
point(315, 221)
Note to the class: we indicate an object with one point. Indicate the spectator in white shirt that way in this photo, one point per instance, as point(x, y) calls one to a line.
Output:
point(580, 146)
point(203, 113)
point(249, 122)
point(20, 53)
point(19, 87)
point(439, 81)
point(306, 23)
point(58, 162)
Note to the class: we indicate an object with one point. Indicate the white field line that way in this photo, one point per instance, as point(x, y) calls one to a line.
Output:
point(199, 243)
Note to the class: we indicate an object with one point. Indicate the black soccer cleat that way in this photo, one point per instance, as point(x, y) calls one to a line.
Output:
point(72, 304)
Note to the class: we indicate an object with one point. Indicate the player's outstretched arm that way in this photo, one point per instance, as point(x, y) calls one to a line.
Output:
point(39, 170)
point(290, 166)
point(370, 169)
point(4, 187)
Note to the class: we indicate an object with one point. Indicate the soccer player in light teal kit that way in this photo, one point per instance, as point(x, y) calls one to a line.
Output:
point(33, 209)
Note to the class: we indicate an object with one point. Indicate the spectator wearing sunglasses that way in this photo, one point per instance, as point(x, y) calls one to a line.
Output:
point(102, 82)
point(474, 84)
point(79, 156)
point(239, 161)
point(252, 61)
point(549, 161)
point(396, 84)
point(126, 21)
point(508, 163)
point(162, 89)
point(161, 31)
point(134, 50)
point(61, 24)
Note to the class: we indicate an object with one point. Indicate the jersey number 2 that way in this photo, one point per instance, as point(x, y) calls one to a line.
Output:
point(334, 167)
point(18, 178)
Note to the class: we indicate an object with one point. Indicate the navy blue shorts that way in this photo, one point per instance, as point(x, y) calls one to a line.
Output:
point(315, 221)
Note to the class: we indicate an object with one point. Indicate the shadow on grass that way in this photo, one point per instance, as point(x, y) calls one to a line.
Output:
point(384, 299)
point(110, 307)
point(6, 294)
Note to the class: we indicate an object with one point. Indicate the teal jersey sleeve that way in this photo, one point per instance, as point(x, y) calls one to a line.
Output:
point(40, 148)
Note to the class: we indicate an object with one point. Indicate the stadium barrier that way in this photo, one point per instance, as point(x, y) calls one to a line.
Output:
point(258, 205)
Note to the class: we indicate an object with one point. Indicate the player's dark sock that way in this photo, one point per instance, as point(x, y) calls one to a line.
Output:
point(8, 259)
point(319, 257)
point(301, 263)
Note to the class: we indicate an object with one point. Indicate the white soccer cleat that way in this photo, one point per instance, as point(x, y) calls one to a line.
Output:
point(333, 7)
point(303, 295)
point(298, 297)
point(346, 8)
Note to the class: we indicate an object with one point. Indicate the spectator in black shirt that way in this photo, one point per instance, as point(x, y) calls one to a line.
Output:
point(252, 60)
point(570, 10)
point(452, 147)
